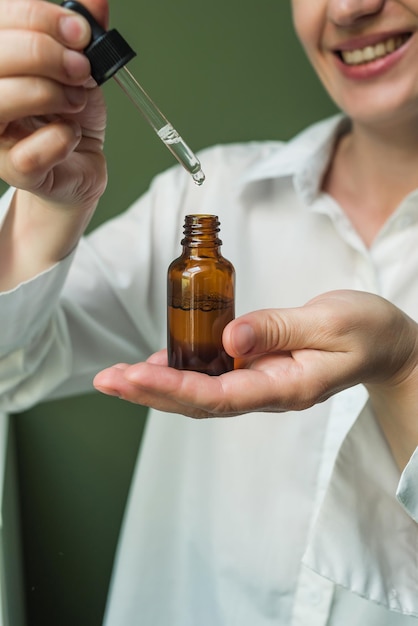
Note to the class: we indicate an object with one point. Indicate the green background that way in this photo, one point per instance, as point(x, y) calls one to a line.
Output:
point(220, 72)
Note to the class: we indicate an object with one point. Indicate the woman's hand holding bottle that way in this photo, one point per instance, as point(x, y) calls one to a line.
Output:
point(290, 359)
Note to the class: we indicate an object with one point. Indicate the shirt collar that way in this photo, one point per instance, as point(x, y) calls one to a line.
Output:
point(305, 158)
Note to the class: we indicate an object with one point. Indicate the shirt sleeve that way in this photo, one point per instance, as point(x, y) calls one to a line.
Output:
point(27, 322)
point(365, 536)
point(92, 309)
point(24, 313)
point(60, 328)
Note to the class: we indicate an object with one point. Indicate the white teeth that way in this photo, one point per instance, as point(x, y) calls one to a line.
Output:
point(370, 53)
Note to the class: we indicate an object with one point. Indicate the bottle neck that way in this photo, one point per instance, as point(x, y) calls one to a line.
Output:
point(201, 235)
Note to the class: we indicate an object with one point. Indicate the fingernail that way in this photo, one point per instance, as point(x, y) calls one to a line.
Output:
point(76, 64)
point(75, 95)
point(74, 28)
point(76, 128)
point(243, 339)
point(90, 83)
point(108, 391)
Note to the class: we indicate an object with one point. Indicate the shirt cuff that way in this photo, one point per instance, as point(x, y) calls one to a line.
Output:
point(407, 492)
point(26, 309)
point(5, 201)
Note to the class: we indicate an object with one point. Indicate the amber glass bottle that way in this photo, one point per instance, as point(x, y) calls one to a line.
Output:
point(200, 297)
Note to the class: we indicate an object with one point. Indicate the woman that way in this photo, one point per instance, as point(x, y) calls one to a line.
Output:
point(302, 510)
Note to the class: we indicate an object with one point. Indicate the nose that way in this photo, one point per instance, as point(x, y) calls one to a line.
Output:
point(349, 12)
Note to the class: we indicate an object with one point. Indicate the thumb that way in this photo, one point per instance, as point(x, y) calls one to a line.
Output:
point(272, 330)
point(98, 8)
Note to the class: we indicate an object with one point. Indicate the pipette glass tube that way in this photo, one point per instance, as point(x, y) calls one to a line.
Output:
point(165, 131)
point(108, 53)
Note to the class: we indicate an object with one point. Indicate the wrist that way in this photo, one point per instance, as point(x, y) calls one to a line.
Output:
point(395, 405)
point(36, 234)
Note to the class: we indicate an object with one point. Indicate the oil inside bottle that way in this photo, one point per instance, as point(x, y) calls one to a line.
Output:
point(195, 334)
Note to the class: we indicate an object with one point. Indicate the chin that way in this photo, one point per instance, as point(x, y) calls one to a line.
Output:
point(390, 108)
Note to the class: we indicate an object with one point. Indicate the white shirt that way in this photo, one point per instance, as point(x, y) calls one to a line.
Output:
point(287, 519)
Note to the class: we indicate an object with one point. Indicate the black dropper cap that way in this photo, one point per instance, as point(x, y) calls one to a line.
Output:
point(107, 51)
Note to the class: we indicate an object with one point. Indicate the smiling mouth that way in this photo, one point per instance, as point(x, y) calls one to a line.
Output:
point(371, 53)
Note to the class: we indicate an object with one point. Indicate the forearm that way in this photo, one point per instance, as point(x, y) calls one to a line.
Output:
point(395, 398)
point(396, 410)
point(35, 235)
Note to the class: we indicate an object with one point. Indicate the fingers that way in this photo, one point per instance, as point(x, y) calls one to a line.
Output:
point(99, 9)
point(27, 163)
point(29, 53)
point(44, 74)
point(35, 38)
point(45, 17)
point(158, 358)
point(158, 386)
point(43, 97)
point(167, 389)
point(39, 75)
point(271, 383)
point(63, 25)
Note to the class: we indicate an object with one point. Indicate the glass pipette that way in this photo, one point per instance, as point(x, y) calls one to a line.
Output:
point(160, 124)
point(108, 53)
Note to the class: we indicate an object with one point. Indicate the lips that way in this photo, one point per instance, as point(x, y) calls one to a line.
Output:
point(373, 51)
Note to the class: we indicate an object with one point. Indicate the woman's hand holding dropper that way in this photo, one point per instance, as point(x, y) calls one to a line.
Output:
point(52, 123)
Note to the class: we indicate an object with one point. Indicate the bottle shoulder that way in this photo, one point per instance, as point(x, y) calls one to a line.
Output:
point(198, 265)
point(202, 260)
